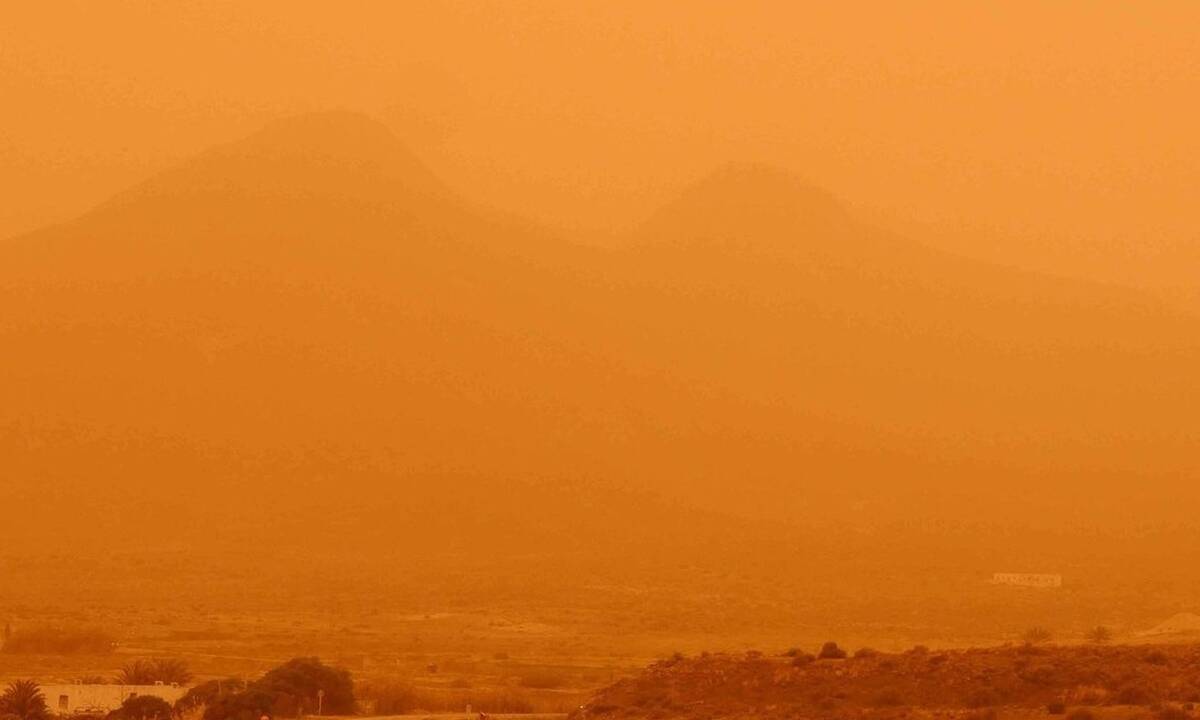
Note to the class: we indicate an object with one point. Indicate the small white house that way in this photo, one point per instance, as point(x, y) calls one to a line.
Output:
point(78, 698)
point(1034, 580)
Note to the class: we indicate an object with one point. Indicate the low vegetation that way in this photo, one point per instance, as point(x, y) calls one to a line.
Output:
point(403, 699)
point(298, 687)
point(208, 693)
point(831, 651)
point(59, 641)
point(168, 671)
point(23, 700)
point(143, 707)
point(1073, 681)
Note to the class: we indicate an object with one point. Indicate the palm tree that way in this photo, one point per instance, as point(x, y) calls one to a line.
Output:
point(148, 672)
point(24, 699)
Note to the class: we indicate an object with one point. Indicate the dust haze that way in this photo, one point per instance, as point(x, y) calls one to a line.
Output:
point(563, 357)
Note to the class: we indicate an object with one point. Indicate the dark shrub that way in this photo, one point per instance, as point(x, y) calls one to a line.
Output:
point(142, 707)
point(394, 699)
point(1132, 694)
point(159, 670)
point(887, 698)
point(1038, 675)
point(865, 652)
point(831, 651)
point(59, 641)
point(602, 709)
point(207, 693)
point(544, 680)
point(983, 698)
point(250, 704)
point(1056, 708)
point(300, 679)
point(802, 659)
point(24, 699)
point(1156, 657)
point(498, 701)
point(289, 691)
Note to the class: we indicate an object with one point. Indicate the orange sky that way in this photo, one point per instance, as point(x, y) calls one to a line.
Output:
point(1058, 136)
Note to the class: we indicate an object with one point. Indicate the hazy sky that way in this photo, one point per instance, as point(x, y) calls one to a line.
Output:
point(1059, 135)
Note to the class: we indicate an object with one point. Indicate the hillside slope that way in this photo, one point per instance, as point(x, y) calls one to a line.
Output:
point(306, 329)
point(961, 682)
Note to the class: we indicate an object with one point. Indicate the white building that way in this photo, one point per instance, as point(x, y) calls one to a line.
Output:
point(1035, 580)
point(97, 699)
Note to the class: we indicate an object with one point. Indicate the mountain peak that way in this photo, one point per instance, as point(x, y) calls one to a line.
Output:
point(343, 135)
point(741, 201)
point(338, 155)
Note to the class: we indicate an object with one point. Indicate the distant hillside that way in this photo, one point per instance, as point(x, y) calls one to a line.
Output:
point(971, 683)
point(305, 334)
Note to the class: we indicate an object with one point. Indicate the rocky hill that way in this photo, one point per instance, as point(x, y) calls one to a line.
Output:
point(975, 681)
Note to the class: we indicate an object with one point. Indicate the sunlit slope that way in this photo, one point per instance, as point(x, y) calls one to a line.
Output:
point(306, 329)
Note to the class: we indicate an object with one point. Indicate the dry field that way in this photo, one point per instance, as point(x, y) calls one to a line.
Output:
point(529, 634)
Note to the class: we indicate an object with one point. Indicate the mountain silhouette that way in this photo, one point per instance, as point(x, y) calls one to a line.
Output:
point(307, 329)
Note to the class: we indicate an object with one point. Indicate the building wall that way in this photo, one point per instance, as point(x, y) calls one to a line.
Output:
point(70, 699)
point(1027, 579)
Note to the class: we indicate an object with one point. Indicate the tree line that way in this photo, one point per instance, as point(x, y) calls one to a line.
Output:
point(301, 686)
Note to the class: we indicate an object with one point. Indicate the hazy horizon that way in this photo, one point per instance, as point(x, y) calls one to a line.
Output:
point(594, 331)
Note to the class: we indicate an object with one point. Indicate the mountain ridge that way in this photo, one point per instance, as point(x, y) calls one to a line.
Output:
point(836, 369)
